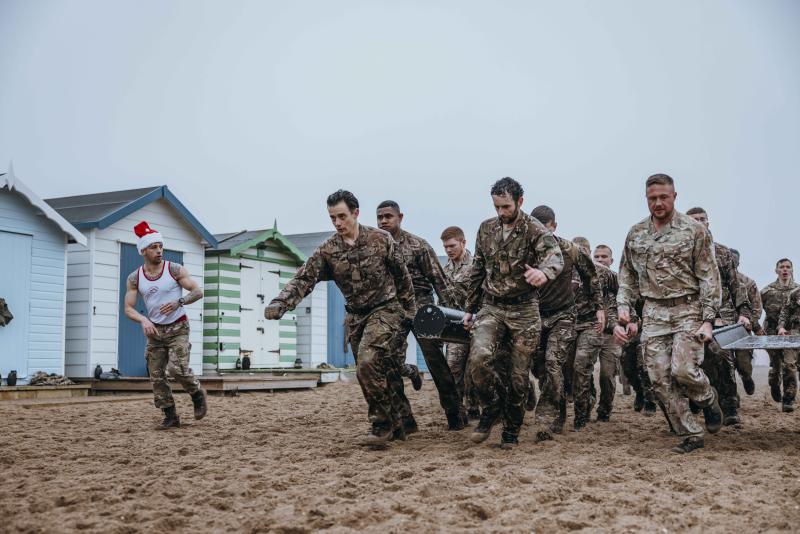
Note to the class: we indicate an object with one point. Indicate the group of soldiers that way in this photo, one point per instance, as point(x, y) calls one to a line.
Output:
point(542, 310)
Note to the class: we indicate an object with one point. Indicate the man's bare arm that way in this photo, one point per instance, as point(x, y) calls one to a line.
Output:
point(188, 283)
point(130, 305)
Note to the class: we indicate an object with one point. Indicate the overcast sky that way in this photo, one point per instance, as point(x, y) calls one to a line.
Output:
point(251, 111)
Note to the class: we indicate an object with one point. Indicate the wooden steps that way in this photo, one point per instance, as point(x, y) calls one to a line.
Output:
point(12, 393)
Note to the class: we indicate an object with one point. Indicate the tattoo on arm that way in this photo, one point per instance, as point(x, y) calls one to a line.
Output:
point(175, 270)
point(193, 296)
point(133, 280)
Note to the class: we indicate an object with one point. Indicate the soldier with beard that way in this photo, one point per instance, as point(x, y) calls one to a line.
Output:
point(514, 255)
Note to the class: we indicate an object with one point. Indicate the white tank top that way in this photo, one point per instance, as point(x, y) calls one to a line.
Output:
point(159, 291)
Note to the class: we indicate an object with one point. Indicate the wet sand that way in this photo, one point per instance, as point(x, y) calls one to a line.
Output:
point(290, 462)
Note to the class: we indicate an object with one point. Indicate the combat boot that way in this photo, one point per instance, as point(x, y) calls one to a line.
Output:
point(530, 401)
point(508, 441)
point(379, 434)
point(731, 418)
point(787, 407)
point(455, 421)
point(557, 426)
point(688, 445)
point(638, 402)
point(416, 378)
point(579, 423)
point(603, 417)
point(200, 401)
point(775, 391)
point(626, 389)
point(171, 419)
point(474, 414)
point(410, 424)
point(484, 428)
point(649, 408)
point(749, 385)
point(713, 414)
point(399, 434)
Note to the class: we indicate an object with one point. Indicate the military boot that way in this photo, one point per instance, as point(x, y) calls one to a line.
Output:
point(713, 414)
point(399, 434)
point(474, 414)
point(787, 407)
point(200, 401)
point(638, 402)
point(749, 385)
point(731, 418)
point(775, 390)
point(171, 419)
point(455, 421)
point(484, 428)
point(557, 426)
point(579, 423)
point(410, 424)
point(649, 408)
point(379, 434)
point(688, 445)
point(508, 441)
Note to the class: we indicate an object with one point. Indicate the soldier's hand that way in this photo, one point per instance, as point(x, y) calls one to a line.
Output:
point(744, 321)
point(274, 311)
point(704, 332)
point(467, 321)
point(601, 321)
point(781, 331)
point(633, 328)
point(624, 317)
point(169, 307)
point(534, 277)
point(760, 331)
point(148, 327)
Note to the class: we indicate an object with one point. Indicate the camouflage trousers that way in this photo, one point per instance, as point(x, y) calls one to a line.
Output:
point(609, 368)
point(558, 333)
point(783, 371)
point(457, 357)
point(167, 352)
point(588, 347)
point(449, 397)
point(373, 338)
point(744, 363)
point(634, 369)
point(719, 366)
point(500, 377)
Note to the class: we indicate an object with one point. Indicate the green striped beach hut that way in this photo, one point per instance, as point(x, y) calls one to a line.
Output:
point(244, 272)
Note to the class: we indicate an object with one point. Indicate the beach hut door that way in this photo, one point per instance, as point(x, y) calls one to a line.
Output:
point(15, 286)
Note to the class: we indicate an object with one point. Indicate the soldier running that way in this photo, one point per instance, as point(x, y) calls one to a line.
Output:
point(557, 308)
point(668, 259)
point(719, 364)
point(514, 255)
point(166, 327)
point(459, 264)
point(427, 276)
point(789, 324)
point(744, 358)
point(782, 363)
point(366, 265)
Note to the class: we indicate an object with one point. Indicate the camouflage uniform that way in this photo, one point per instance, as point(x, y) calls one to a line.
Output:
point(167, 352)
point(633, 362)
point(557, 308)
point(427, 275)
point(789, 319)
point(675, 272)
point(458, 353)
point(590, 346)
point(782, 363)
point(744, 358)
point(506, 304)
point(373, 277)
point(719, 364)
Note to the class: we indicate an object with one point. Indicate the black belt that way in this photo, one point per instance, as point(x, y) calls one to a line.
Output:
point(685, 299)
point(367, 310)
point(528, 297)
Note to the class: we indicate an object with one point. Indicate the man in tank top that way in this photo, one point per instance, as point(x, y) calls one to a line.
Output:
point(161, 284)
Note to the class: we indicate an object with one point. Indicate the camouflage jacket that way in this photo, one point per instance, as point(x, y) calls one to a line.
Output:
point(369, 273)
point(586, 307)
point(498, 267)
point(789, 316)
point(677, 261)
point(734, 297)
point(773, 297)
point(754, 297)
point(458, 276)
point(559, 294)
point(423, 265)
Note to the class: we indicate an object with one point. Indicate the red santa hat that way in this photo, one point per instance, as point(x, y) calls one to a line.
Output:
point(147, 236)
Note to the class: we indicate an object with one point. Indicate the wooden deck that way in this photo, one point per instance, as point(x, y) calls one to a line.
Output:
point(13, 393)
point(223, 382)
